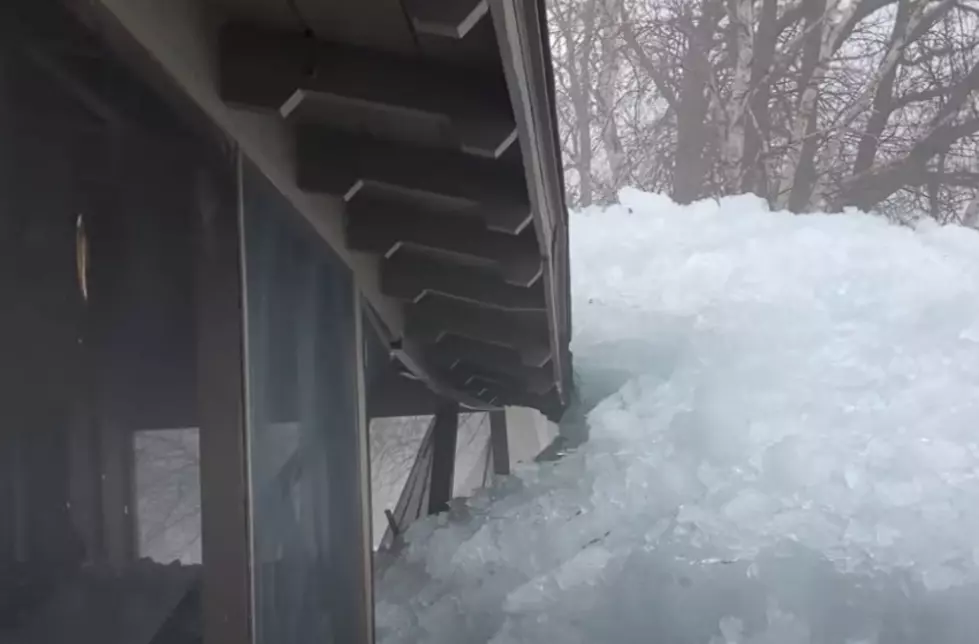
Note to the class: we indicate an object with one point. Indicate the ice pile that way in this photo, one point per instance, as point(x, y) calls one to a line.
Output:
point(788, 451)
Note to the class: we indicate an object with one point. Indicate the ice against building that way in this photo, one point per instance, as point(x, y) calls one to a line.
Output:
point(787, 453)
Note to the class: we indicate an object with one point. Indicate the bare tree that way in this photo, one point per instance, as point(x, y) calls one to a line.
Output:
point(574, 44)
point(807, 103)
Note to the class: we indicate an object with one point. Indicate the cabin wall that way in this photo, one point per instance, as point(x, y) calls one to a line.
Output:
point(97, 333)
point(181, 36)
point(42, 320)
point(181, 372)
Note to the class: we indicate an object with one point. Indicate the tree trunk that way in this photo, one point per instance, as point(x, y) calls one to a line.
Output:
point(971, 215)
point(754, 177)
point(934, 186)
point(577, 48)
point(582, 163)
point(741, 24)
point(882, 105)
point(690, 172)
point(869, 190)
point(795, 184)
point(608, 77)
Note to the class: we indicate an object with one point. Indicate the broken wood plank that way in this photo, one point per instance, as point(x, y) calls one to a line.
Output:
point(534, 380)
point(462, 355)
point(436, 317)
point(411, 355)
point(452, 349)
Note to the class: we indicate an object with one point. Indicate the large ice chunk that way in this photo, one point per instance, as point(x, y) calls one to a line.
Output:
point(786, 448)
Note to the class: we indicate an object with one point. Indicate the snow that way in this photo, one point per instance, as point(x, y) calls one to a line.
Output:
point(786, 452)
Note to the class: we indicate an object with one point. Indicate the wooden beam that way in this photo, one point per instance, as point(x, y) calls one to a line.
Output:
point(526, 332)
point(411, 355)
point(549, 403)
point(470, 378)
point(532, 379)
point(445, 433)
point(411, 275)
point(448, 18)
point(226, 591)
point(383, 225)
point(274, 70)
point(505, 388)
point(363, 610)
point(452, 350)
point(467, 360)
point(499, 444)
point(117, 478)
point(396, 394)
point(521, 30)
point(341, 164)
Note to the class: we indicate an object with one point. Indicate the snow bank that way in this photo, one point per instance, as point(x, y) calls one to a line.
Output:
point(788, 452)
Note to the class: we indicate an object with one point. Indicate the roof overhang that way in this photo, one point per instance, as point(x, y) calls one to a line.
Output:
point(420, 143)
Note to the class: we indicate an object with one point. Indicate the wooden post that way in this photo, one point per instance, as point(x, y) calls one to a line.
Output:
point(9, 445)
point(445, 433)
point(364, 468)
point(226, 595)
point(499, 443)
